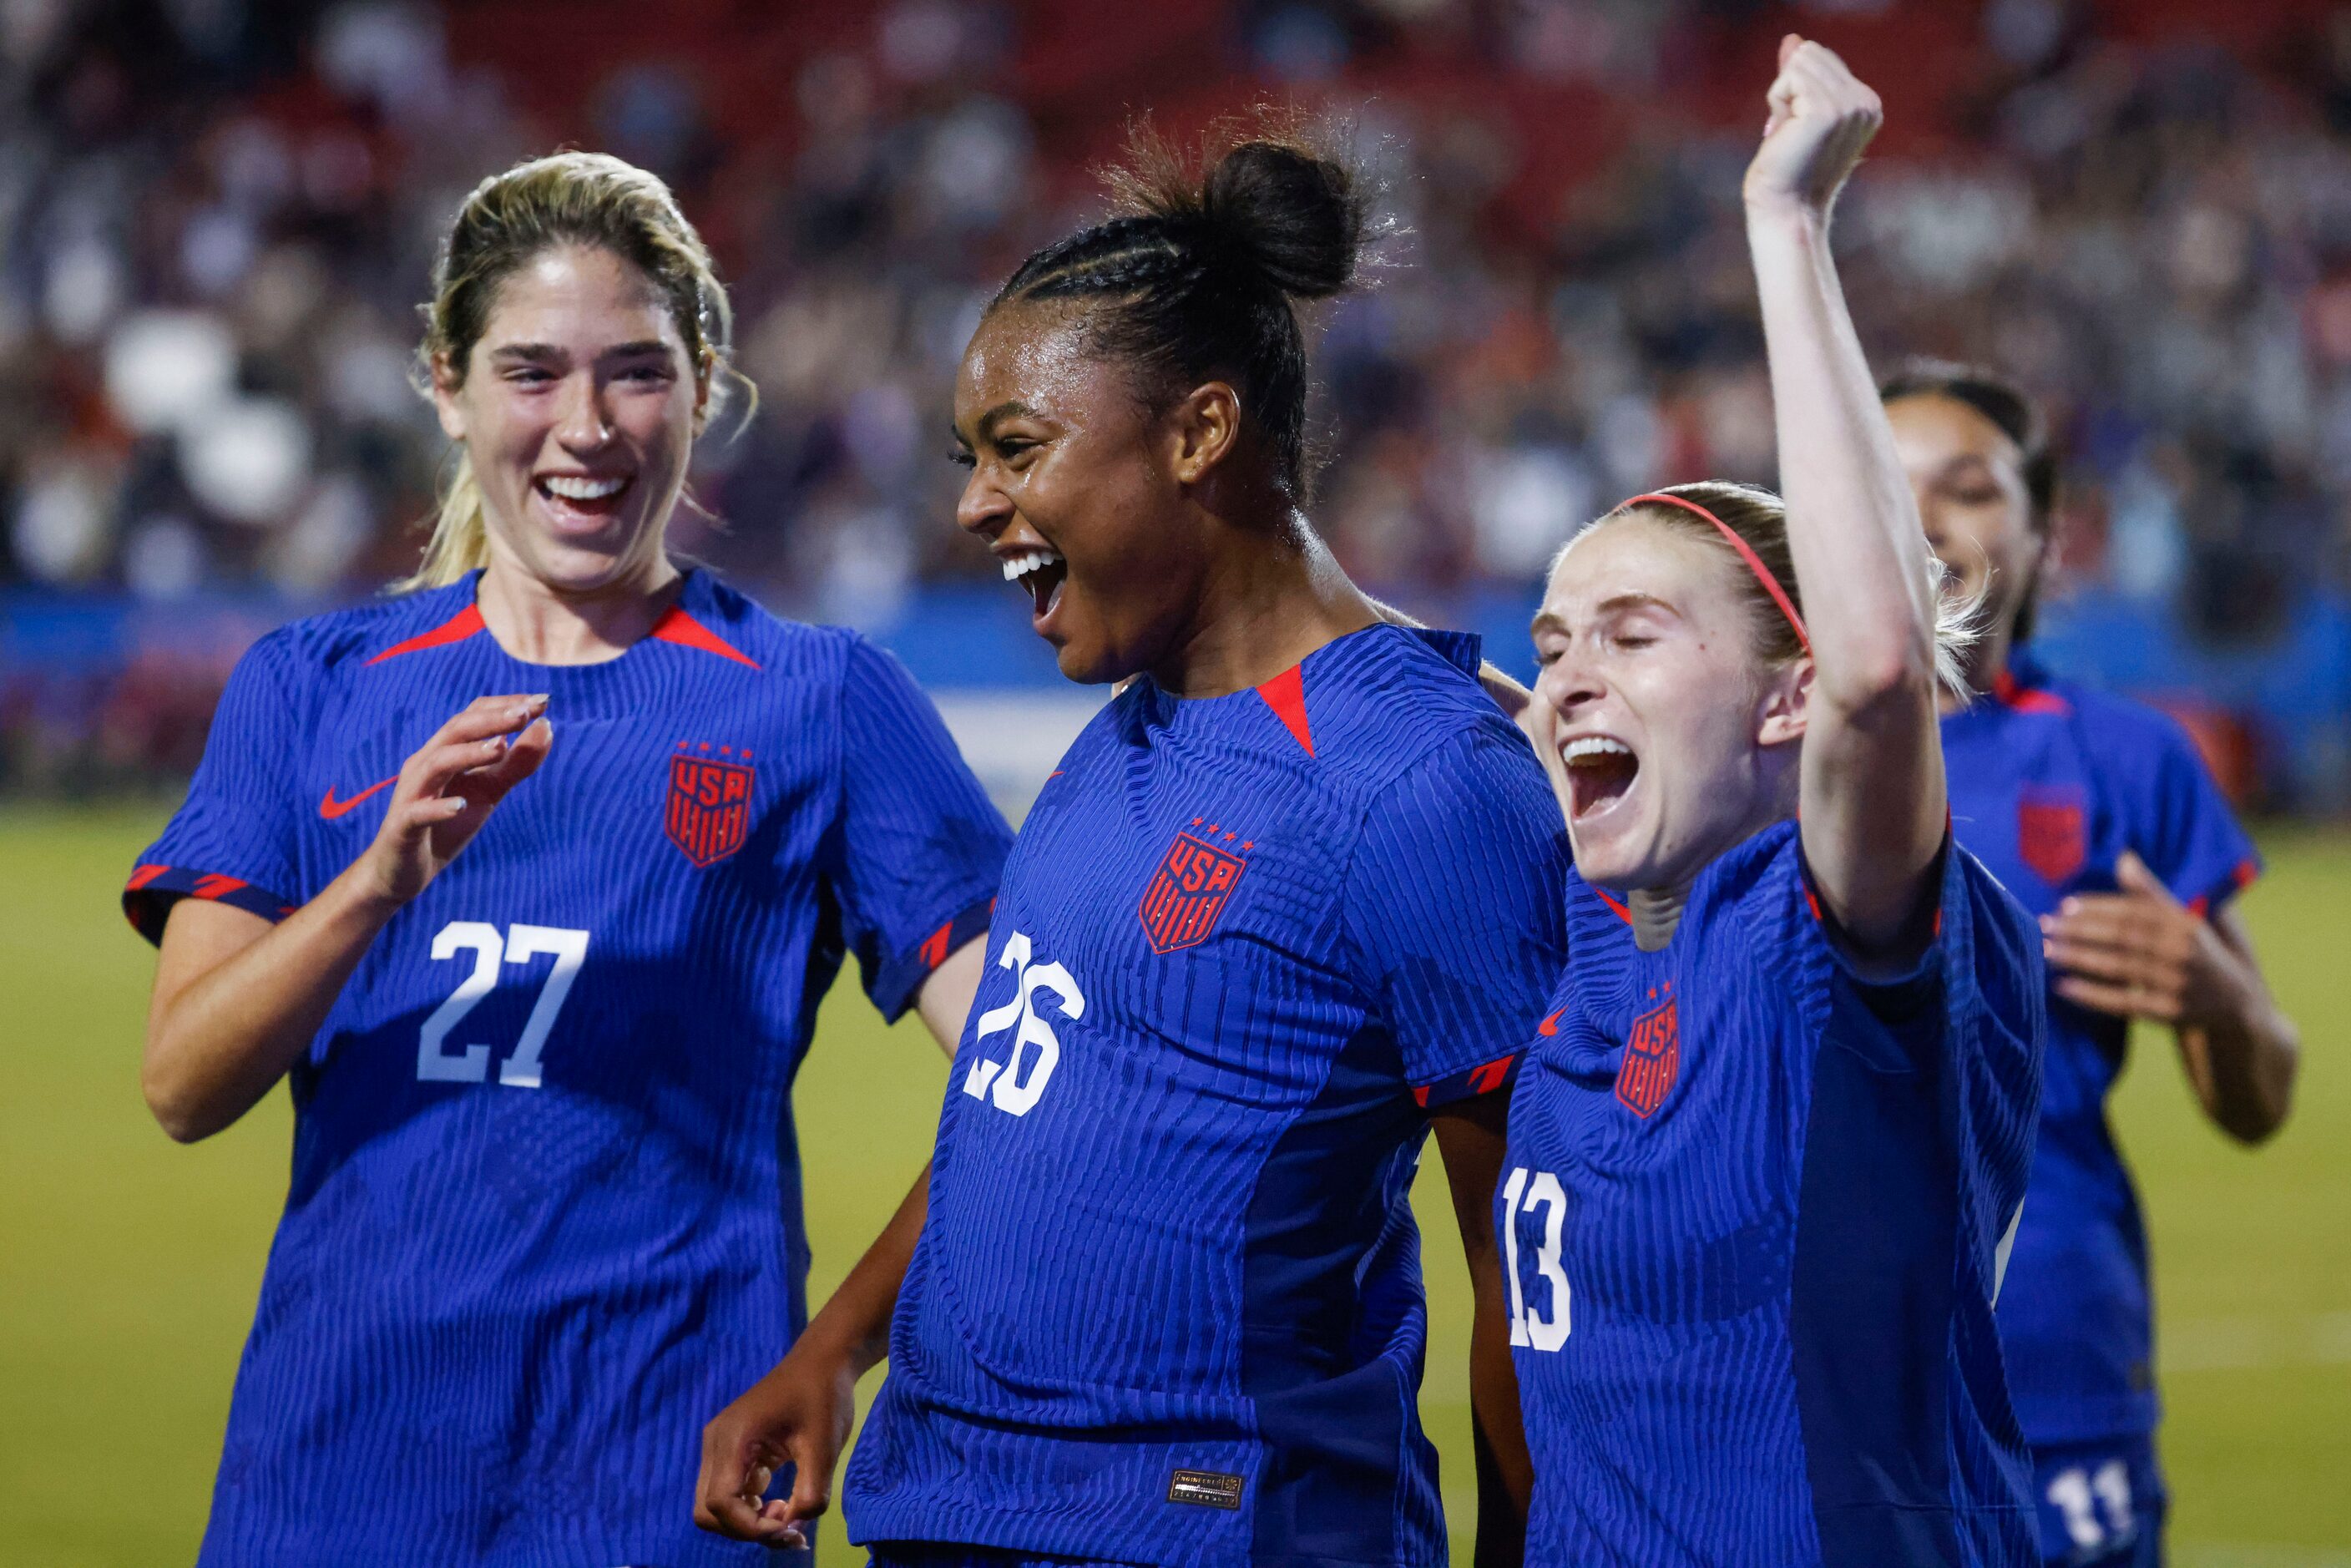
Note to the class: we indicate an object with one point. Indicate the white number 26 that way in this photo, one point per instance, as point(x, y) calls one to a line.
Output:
point(519, 945)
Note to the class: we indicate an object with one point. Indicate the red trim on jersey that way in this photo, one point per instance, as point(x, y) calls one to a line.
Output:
point(213, 885)
point(2013, 693)
point(1286, 695)
point(935, 946)
point(142, 876)
point(456, 629)
point(677, 626)
point(1623, 914)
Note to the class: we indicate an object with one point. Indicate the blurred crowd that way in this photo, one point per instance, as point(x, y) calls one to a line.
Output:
point(217, 219)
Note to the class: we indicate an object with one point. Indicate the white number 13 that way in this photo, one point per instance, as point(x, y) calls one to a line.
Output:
point(1531, 1327)
point(519, 945)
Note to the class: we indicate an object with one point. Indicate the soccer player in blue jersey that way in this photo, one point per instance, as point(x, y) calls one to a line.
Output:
point(1290, 901)
point(1775, 1128)
point(529, 880)
point(2098, 816)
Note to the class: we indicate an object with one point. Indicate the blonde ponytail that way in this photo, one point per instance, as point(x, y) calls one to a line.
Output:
point(461, 534)
point(586, 199)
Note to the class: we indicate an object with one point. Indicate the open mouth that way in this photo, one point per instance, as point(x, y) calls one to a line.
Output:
point(577, 495)
point(1600, 773)
point(1041, 572)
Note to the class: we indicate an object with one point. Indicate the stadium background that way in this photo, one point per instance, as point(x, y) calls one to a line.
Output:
point(216, 219)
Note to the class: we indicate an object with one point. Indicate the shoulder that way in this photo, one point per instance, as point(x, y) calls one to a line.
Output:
point(310, 652)
point(1403, 706)
point(720, 619)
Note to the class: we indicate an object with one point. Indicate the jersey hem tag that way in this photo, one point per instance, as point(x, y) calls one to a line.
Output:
point(1204, 1488)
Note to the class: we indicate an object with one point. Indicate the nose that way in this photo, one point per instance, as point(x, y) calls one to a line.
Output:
point(582, 422)
point(983, 509)
point(1568, 683)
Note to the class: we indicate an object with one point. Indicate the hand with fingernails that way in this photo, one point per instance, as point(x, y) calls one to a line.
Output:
point(449, 786)
point(2140, 952)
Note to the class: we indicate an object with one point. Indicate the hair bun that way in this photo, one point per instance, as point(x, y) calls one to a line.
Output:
point(1300, 216)
point(1272, 198)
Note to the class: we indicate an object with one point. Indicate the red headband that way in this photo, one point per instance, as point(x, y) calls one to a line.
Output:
point(1746, 553)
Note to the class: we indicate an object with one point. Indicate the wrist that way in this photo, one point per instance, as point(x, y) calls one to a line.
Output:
point(1784, 215)
point(363, 893)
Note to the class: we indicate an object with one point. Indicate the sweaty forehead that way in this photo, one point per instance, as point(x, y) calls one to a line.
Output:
point(1033, 354)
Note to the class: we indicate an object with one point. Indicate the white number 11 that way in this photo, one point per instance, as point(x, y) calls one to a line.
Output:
point(519, 945)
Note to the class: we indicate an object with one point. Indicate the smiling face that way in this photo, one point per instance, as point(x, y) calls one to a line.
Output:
point(1968, 477)
point(1078, 489)
point(1666, 739)
point(577, 407)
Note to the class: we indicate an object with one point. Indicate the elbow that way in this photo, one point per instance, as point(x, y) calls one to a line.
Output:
point(1892, 674)
point(177, 1104)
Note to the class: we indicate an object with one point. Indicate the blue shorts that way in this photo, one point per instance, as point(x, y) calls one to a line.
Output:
point(2101, 1503)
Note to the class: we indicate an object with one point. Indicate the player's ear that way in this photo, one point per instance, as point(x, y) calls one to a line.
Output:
point(1782, 716)
point(445, 385)
point(1203, 426)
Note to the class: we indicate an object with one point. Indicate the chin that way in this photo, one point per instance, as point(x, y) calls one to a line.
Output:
point(1617, 859)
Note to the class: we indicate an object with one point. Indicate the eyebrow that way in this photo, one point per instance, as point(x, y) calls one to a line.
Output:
point(1551, 621)
point(1009, 409)
point(551, 352)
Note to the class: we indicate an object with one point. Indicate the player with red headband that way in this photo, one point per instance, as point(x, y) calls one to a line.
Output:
point(1772, 1134)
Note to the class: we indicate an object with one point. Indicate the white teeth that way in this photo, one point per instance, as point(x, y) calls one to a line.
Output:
point(572, 489)
point(1585, 746)
point(1020, 566)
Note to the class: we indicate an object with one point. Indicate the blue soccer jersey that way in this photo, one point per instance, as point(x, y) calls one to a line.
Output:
point(1167, 1308)
point(2050, 784)
point(1753, 1216)
point(544, 1215)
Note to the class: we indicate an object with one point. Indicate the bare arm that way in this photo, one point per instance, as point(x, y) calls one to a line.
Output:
point(1874, 807)
point(237, 1001)
point(2141, 953)
point(800, 1413)
point(1470, 1137)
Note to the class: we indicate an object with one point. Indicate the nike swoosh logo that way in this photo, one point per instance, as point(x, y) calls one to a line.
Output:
point(330, 807)
point(1550, 1025)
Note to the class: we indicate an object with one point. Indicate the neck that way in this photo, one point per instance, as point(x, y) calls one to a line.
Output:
point(541, 623)
point(1273, 597)
point(1656, 911)
point(1983, 667)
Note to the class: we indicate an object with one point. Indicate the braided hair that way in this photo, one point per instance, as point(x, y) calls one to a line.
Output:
point(1197, 276)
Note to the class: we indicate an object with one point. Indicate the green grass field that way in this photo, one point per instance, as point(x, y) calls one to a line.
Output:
point(129, 1265)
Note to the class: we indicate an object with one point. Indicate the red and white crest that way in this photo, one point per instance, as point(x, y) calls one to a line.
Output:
point(1188, 893)
point(1653, 1060)
point(709, 811)
point(2052, 836)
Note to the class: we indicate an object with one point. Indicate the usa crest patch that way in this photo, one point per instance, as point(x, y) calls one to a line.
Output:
point(2052, 836)
point(1188, 893)
point(1653, 1060)
point(709, 811)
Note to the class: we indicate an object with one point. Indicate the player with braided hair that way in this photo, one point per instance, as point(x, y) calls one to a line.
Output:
point(1289, 904)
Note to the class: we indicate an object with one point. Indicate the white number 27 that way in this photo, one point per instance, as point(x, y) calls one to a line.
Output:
point(518, 945)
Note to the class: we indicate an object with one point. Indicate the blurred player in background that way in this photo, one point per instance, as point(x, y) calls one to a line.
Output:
point(1766, 1150)
point(2098, 815)
point(541, 967)
point(1292, 899)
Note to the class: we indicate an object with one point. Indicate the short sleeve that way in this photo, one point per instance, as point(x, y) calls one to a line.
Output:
point(234, 840)
point(1455, 911)
point(918, 848)
point(2180, 822)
